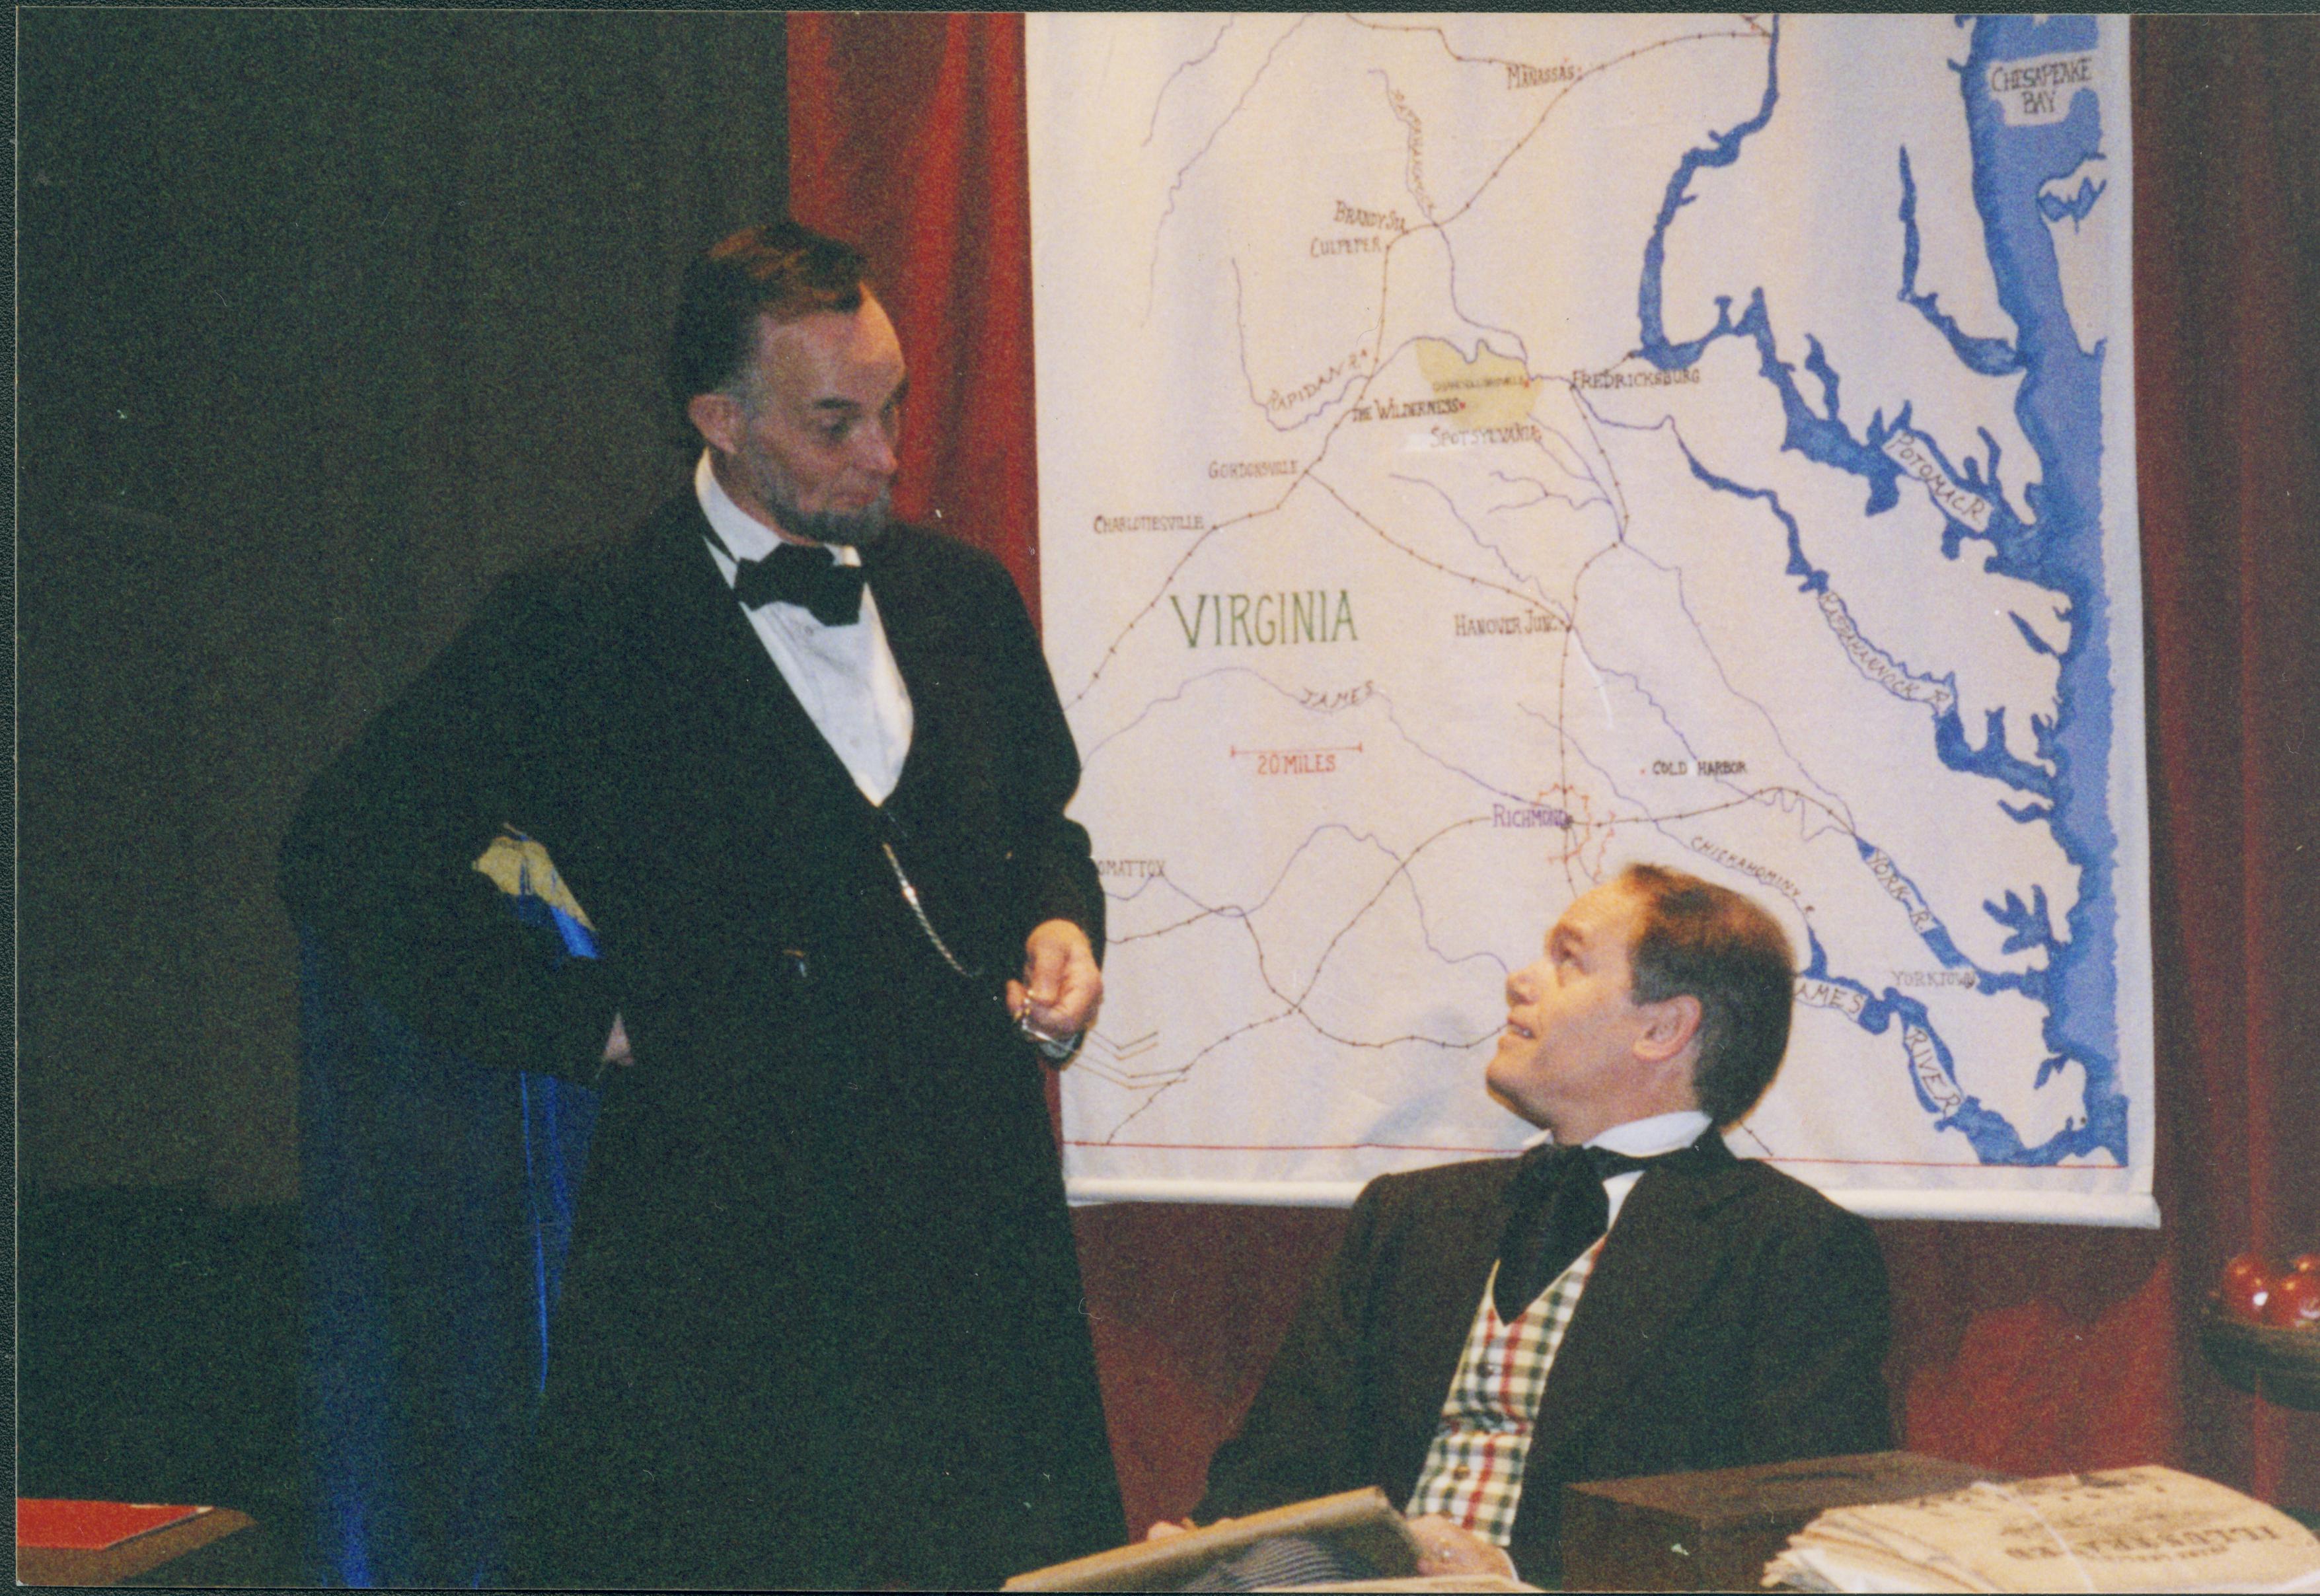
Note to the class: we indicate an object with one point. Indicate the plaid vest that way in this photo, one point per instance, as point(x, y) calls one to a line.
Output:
point(1475, 1467)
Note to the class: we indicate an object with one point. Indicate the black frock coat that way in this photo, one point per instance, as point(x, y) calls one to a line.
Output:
point(1735, 1316)
point(822, 1322)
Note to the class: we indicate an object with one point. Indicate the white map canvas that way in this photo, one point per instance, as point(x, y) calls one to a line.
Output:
point(1477, 452)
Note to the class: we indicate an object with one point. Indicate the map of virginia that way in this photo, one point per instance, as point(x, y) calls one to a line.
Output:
point(1479, 452)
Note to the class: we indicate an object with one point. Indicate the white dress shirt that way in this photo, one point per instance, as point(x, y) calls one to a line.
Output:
point(844, 676)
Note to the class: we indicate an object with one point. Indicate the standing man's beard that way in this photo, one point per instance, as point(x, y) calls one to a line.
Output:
point(853, 528)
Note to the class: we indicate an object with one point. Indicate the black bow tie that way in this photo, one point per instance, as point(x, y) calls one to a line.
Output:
point(1558, 1209)
point(809, 577)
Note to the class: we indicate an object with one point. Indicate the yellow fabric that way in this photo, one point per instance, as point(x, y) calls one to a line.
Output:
point(517, 865)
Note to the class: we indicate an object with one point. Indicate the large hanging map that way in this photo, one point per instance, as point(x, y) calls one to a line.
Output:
point(1477, 452)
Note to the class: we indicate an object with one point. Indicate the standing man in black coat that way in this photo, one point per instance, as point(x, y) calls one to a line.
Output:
point(804, 772)
point(1626, 1298)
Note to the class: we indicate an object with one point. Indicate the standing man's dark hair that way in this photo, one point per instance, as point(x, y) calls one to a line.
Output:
point(1709, 942)
point(779, 269)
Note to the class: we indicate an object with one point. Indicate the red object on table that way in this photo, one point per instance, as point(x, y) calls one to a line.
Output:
point(2245, 1290)
point(50, 1525)
point(2295, 1301)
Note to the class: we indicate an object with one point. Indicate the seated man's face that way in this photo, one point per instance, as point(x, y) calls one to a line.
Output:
point(1566, 1058)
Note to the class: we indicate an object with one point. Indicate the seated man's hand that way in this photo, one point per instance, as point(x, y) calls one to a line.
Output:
point(1168, 1526)
point(1444, 1547)
point(1061, 984)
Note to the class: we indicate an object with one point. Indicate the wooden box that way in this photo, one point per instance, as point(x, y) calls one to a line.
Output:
point(1715, 1530)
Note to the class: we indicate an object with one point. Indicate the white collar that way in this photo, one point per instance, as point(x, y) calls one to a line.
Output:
point(1645, 1138)
point(744, 536)
point(1661, 1133)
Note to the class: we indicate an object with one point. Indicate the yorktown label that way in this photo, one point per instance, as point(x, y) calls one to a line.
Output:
point(1266, 620)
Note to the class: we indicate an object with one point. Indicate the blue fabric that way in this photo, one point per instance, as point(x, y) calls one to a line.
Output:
point(579, 942)
point(531, 909)
point(438, 1198)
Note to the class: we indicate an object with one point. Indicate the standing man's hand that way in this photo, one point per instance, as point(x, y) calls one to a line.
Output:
point(1061, 984)
point(616, 1045)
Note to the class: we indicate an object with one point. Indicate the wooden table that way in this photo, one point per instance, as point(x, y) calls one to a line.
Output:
point(1715, 1530)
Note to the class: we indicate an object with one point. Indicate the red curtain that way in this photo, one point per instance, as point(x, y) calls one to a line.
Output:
point(906, 139)
point(2228, 353)
point(2035, 1348)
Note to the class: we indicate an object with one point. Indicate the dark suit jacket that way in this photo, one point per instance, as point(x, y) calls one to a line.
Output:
point(1735, 1316)
point(822, 1322)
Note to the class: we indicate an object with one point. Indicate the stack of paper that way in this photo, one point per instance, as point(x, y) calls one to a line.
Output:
point(2147, 1528)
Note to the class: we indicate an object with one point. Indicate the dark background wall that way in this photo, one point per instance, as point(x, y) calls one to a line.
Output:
point(328, 318)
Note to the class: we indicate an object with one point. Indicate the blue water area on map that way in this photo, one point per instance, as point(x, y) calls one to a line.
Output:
point(2058, 406)
point(2077, 208)
point(1985, 357)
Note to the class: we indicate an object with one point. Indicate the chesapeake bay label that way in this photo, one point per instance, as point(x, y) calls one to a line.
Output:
point(2038, 91)
point(1266, 620)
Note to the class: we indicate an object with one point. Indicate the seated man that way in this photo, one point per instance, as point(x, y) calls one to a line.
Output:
point(1492, 1330)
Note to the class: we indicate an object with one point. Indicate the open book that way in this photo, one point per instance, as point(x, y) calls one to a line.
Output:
point(2149, 1529)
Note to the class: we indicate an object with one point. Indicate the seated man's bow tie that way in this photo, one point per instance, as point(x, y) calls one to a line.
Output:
point(813, 578)
point(1558, 1210)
